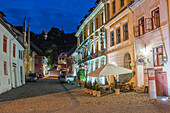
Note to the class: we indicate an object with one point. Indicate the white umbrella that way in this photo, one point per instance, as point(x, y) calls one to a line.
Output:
point(109, 69)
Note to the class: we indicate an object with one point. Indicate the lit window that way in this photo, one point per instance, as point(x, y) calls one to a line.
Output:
point(125, 32)
point(158, 56)
point(156, 18)
point(112, 39)
point(127, 61)
point(118, 40)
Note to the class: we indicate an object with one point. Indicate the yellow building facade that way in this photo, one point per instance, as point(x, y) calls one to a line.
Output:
point(120, 38)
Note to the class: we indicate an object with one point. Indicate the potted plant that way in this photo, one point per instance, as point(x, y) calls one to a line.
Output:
point(97, 88)
point(90, 87)
point(117, 89)
point(85, 86)
point(94, 91)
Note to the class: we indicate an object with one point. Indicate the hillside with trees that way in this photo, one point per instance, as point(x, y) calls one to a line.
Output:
point(55, 43)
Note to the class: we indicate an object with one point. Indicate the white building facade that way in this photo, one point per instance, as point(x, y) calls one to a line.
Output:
point(11, 58)
point(91, 46)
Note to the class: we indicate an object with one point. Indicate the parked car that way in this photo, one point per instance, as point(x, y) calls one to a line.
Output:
point(66, 78)
point(32, 77)
point(40, 76)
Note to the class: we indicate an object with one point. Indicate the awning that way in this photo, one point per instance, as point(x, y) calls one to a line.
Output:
point(109, 69)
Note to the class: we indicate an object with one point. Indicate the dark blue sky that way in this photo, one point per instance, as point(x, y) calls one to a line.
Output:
point(44, 14)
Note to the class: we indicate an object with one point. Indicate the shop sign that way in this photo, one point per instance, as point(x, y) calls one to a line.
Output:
point(94, 55)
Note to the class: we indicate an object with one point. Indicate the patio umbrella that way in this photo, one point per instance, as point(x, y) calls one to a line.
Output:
point(109, 69)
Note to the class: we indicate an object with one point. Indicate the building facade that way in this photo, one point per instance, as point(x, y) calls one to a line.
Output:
point(91, 44)
point(151, 31)
point(120, 39)
point(11, 56)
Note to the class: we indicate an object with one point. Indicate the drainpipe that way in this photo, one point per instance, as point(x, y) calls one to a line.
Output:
point(10, 57)
point(168, 10)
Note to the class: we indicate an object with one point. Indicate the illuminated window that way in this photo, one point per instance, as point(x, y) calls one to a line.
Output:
point(127, 61)
point(158, 56)
point(141, 26)
point(156, 18)
point(96, 24)
point(112, 39)
point(96, 64)
point(125, 32)
point(118, 38)
point(91, 66)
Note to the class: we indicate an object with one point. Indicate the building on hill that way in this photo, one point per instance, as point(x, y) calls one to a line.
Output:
point(11, 56)
point(62, 60)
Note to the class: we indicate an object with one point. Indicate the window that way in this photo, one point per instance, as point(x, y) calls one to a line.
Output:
point(19, 54)
point(14, 47)
point(92, 49)
point(96, 64)
point(158, 56)
point(5, 44)
point(112, 39)
point(96, 23)
point(127, 61)
point(101, 18)
point(102, 61)
point(5, 68)
point(122, 3)
point(118, 40)
point(156, 18)
point(91, 28)
point(141, 26)
point(91, 66)
point(114, 7)
point(102, 43)
point(125, 32)
point(96, 46)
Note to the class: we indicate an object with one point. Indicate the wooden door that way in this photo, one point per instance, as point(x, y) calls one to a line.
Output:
point(161, 84)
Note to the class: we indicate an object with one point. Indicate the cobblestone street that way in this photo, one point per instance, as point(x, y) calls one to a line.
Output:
point(50, 96)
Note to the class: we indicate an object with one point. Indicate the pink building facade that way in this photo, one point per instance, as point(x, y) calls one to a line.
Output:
point(151, 31)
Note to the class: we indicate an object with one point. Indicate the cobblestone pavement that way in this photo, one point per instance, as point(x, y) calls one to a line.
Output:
point(50, 96)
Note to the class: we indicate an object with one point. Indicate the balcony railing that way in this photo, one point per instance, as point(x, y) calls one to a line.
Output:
point(148, 26)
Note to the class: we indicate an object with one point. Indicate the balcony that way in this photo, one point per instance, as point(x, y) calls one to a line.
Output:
point(150, 24)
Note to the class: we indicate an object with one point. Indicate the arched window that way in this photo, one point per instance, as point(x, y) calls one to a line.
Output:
point(127, 61)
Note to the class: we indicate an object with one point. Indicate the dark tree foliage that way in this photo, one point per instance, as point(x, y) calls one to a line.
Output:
point(97, 1)
point(56, 42)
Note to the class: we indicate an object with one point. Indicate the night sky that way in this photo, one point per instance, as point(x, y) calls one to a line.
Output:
point(44, 14)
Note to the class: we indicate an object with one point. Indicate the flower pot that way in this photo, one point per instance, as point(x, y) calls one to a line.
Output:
point(98, 93)
point(94, 93)
point(91, 91)
point(117, 91)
